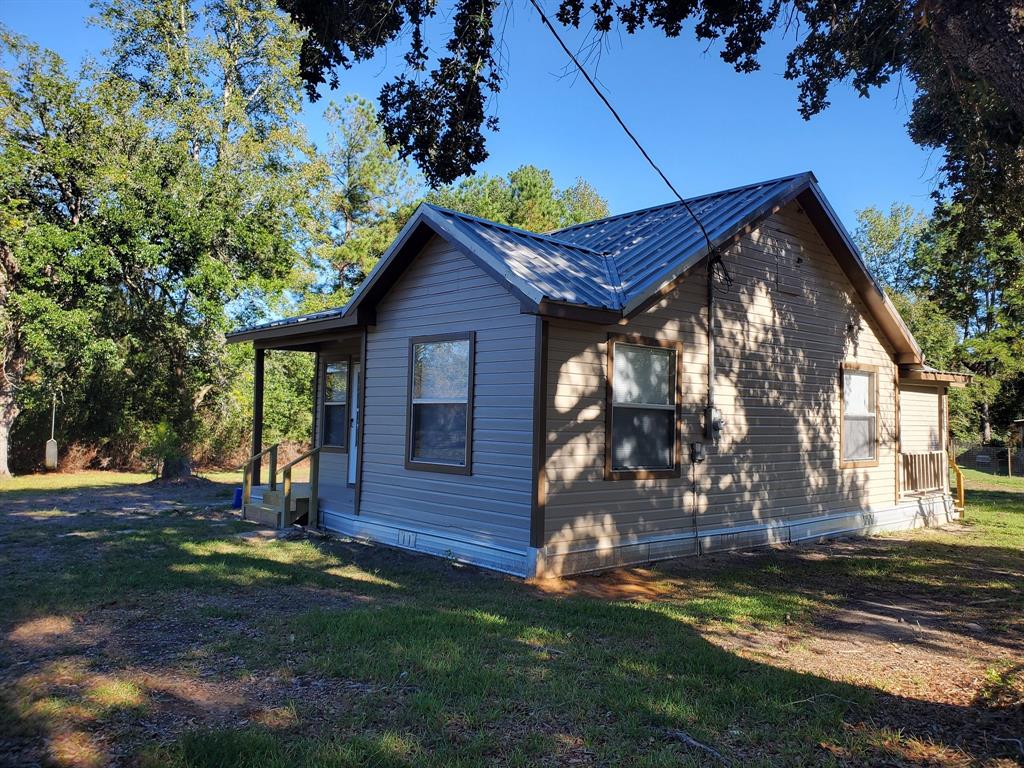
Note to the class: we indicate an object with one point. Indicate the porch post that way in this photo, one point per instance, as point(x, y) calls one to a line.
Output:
point(257, 413)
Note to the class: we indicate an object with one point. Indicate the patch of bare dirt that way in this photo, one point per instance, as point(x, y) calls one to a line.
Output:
point(639, 584)
point(63, 507)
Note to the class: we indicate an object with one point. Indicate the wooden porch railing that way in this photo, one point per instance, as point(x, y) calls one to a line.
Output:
point(961, 487)
point(923, 472)
point(314, 486)
point(248, 467)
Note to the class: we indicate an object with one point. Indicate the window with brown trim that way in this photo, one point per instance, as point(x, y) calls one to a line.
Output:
point(439, 421)
point(642, 408)
point(859, 429)
point(335, 400)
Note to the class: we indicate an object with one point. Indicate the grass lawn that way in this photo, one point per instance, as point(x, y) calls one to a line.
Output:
point(163, 639)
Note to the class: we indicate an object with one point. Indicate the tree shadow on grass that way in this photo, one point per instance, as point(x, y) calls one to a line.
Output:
point(483, 670)
point(428, 664)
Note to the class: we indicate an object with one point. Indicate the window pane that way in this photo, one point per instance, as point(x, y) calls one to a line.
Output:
point(441, 370)
point(337, 382)
point(334, 424)
point(858, 393)
point(439, 432)
point(859, 438)
point(642, 375)
point(643, 438)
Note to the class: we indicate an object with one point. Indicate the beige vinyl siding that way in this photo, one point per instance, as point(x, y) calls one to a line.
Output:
point(778, 362)
point(444, 292)
point(920, 428)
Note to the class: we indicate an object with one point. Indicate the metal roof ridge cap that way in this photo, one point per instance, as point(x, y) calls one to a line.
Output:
point(615, 279)
point(516, 230)
point(787, 177)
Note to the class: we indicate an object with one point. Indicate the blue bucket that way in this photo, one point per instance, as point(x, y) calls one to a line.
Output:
point(237, 502)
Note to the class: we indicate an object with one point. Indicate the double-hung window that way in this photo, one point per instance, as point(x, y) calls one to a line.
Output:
point(335, 403)
point(859, 441)
point(440, 412)
point(643, 420)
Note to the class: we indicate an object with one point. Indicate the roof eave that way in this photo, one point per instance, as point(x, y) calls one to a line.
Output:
point(907, 350)
point(293, 330)
point(932, 376)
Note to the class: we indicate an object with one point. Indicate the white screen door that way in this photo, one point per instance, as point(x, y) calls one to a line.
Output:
point(353, 442)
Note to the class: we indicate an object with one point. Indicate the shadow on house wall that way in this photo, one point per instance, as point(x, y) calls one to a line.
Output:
point(784, 326)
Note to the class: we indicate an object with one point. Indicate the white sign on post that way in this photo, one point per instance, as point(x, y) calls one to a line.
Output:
point(51, 444)
point(51, 454)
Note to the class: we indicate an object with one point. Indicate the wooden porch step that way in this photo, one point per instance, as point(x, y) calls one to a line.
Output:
point(270, 513)
point(261, 514)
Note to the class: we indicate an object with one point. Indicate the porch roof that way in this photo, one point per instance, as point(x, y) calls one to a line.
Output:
point(925, 374)
point(293, 332)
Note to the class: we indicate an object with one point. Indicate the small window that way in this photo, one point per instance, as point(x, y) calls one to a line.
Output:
point(860, 416)
point(335, 403)
point(440, 403)
point(643, 419)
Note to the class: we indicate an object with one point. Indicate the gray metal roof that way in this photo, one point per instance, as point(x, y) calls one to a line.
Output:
point(608, 264)
point(611, 266)
point(559, 270)
point(649, 246)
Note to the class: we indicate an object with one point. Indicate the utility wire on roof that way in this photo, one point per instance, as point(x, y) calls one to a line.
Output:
point(712, 251)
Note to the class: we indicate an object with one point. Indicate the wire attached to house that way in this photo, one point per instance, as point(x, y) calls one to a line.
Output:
point(715, 266)
point(712, 250)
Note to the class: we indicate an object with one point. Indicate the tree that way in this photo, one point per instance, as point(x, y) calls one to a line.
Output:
point(370, 194)
point(56, 165)
point(964, 57)
point(526, 198)
point(965, 306)
point(372, 191)
point(889, 241)
point(215, 211)
point(980, 285)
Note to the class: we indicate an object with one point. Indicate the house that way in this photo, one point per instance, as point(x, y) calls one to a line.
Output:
point(546, 404)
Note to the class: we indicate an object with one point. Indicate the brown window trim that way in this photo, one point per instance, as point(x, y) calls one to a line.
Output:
point(859, 463)
point(326, 360)
point(642, 474)
point(427, 466)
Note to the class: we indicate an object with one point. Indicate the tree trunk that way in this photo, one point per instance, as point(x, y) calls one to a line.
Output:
point(8, 413)
point(986, 425)
point(176, 468)
point(985, 38)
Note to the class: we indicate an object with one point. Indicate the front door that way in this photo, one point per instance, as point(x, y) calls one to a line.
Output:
point(353, 432)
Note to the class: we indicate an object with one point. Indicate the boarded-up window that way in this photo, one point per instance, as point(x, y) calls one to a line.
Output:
point(860, 415)
point(643, 409)
point(920, 419)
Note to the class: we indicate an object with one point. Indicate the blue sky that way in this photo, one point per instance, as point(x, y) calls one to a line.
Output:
point(708, 127)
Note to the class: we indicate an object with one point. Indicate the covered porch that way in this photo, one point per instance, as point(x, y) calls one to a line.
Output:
point(282, 491)
point(924, 461)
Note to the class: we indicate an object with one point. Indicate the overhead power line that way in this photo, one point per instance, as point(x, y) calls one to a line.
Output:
point(622, 123)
